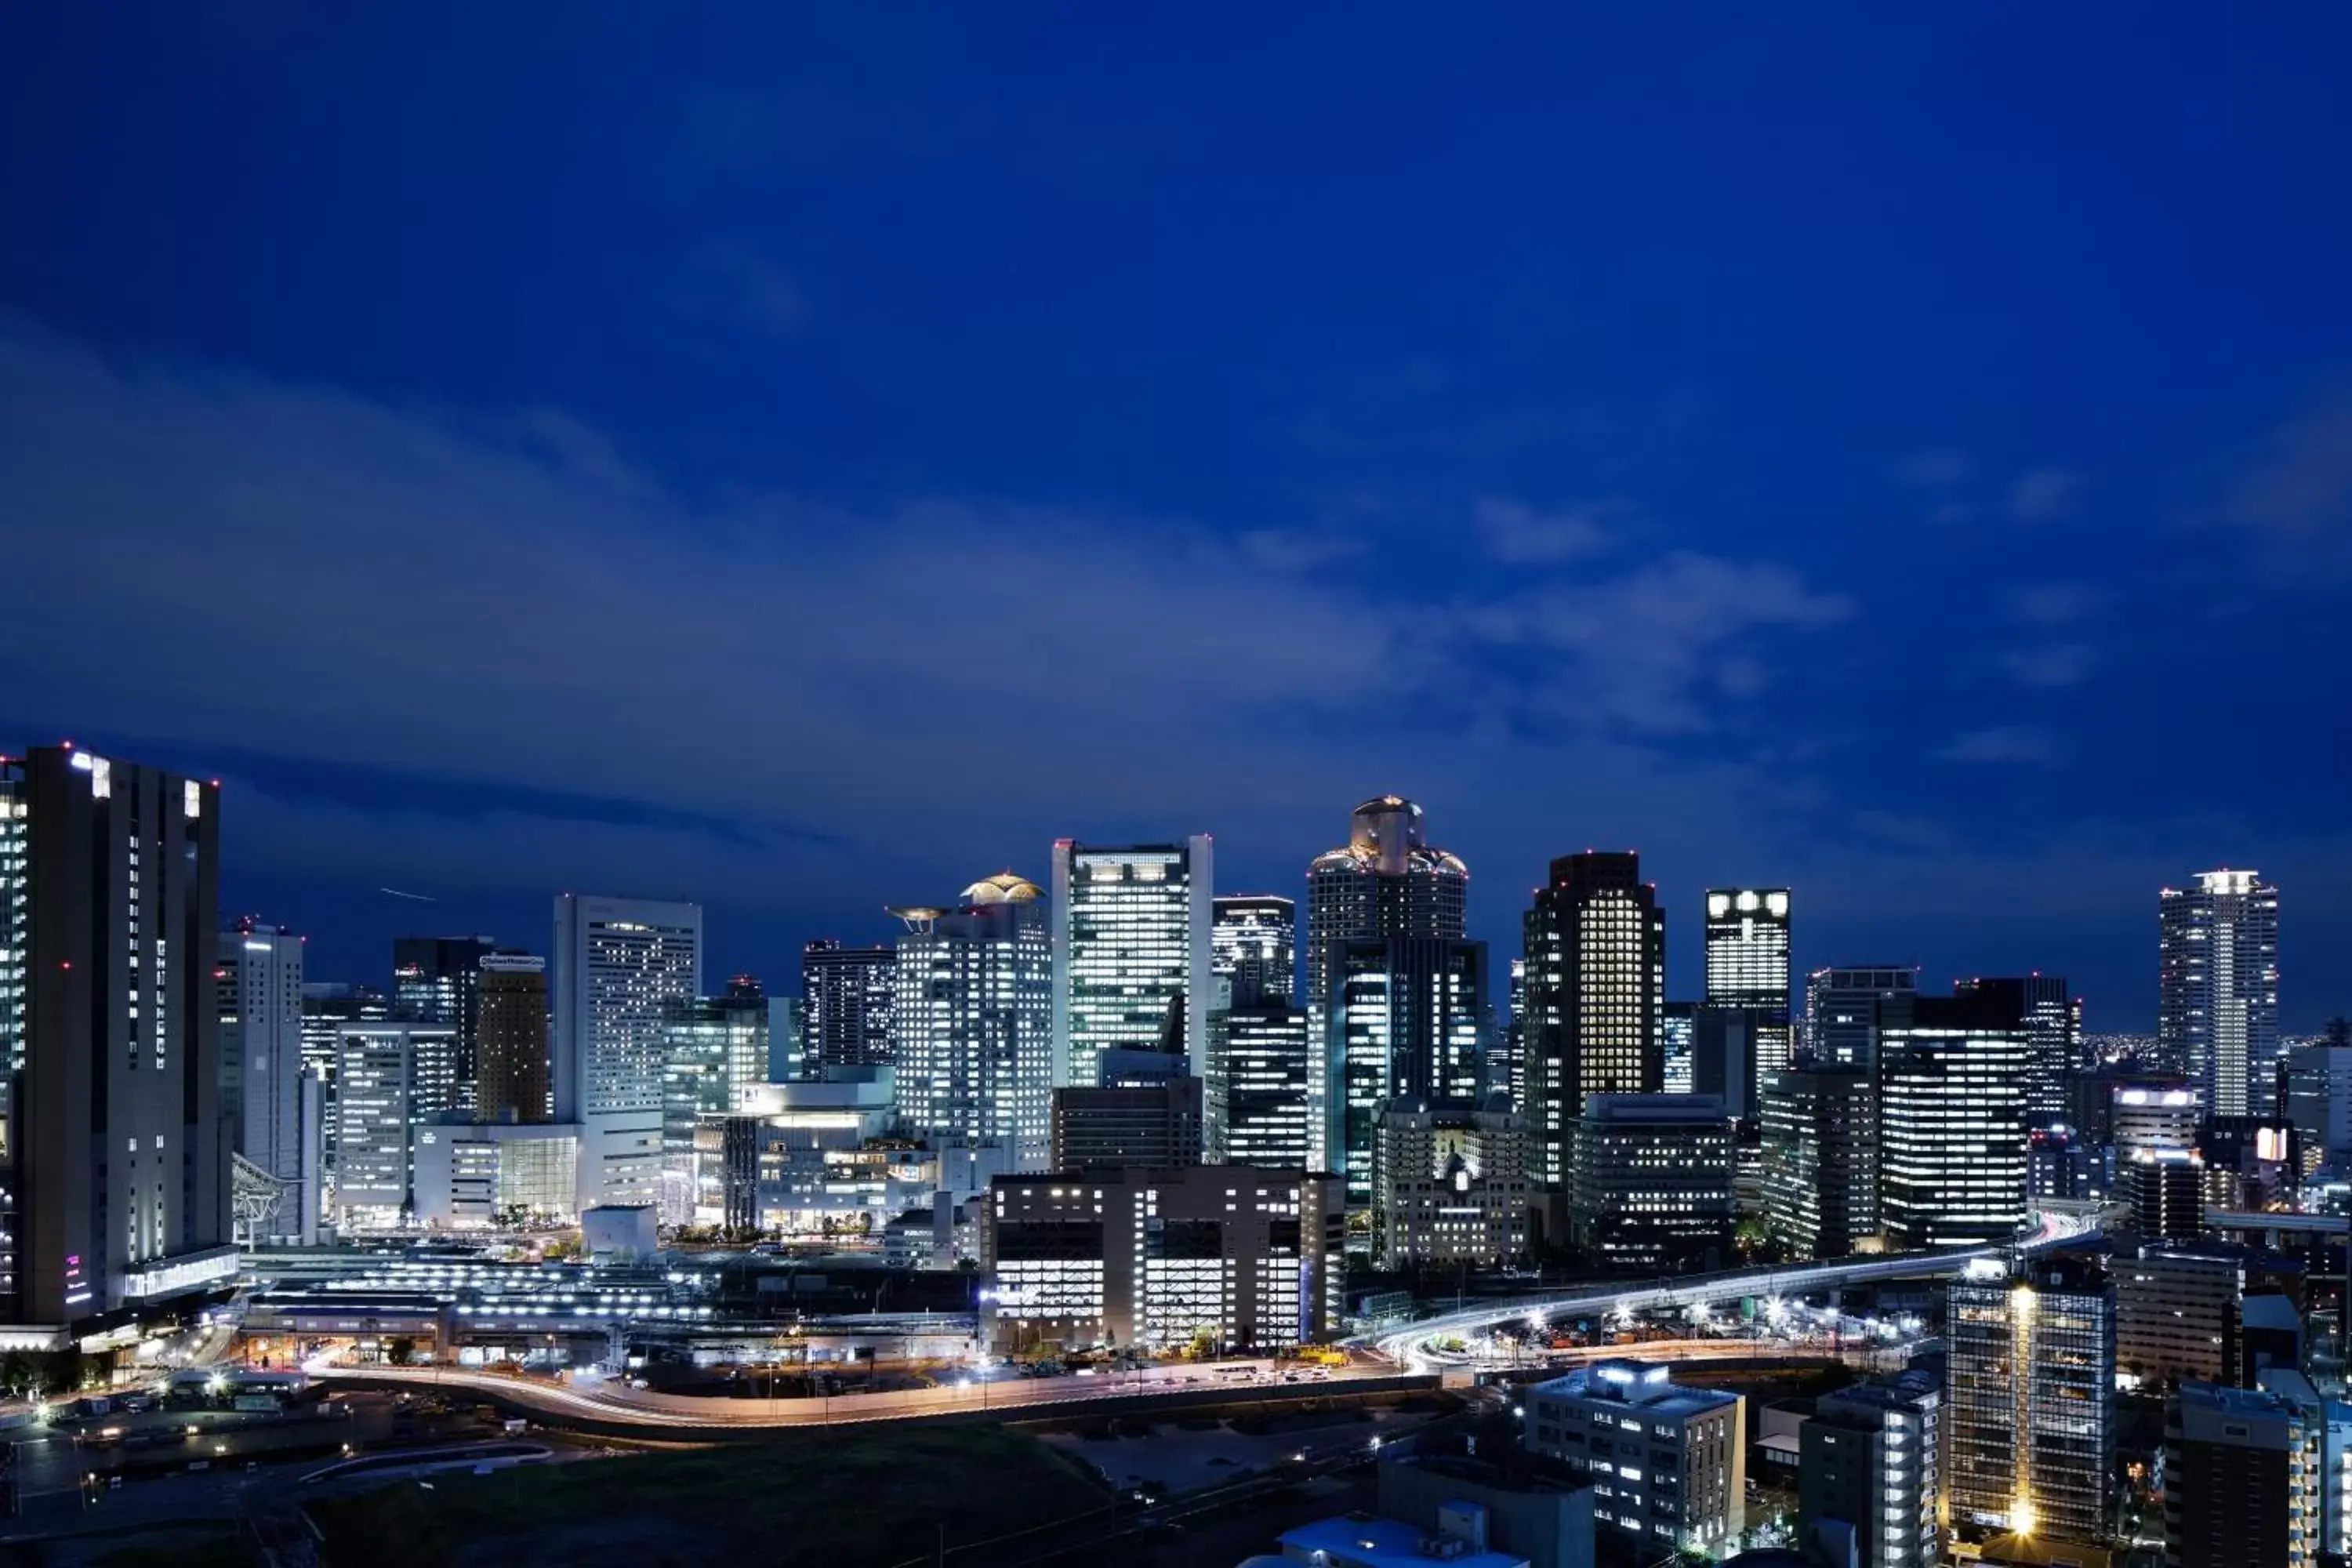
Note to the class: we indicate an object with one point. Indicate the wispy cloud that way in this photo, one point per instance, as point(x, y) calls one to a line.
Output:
point(2050, 604)
point(1517, 533)
point(511, 601)
point(1936, 468)
point(734, 284)
point(2054, 664)
point(2007, 743)
point(1297, 550)
point(2295, 497)
point(2043, 495)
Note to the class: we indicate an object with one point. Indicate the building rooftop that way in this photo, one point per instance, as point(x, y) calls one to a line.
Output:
point(2270, 1313)
point(1386, 1543)
point(1635, 1383)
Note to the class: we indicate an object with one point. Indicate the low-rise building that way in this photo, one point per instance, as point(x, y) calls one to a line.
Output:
point(1667, 1463)
point(475, 1174)
point(1367, 1541)
point(1530, 1512)
point(1869, 1479)
point(1236, 1257)
point(811, 1160)
point(1451, 1182)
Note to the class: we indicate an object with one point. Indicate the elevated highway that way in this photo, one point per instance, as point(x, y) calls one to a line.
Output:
point(1408, 1347)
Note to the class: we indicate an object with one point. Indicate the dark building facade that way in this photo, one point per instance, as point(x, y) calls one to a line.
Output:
point(117, 1154)
point(846, 996)
point(512, 1080)
point(1596, 962)
point(439, 980)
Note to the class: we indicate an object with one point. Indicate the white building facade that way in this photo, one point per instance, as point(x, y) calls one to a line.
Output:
point(1133, 946)
point(2217, 1004)
point(620, 964)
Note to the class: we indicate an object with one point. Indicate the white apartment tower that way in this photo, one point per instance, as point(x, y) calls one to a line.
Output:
point(2217, 1002)
point(620, 964)
point(1132, 947)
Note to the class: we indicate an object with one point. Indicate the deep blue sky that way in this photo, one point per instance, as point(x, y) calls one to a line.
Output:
point(804, 461)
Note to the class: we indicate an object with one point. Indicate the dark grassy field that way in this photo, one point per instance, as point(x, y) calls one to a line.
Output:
point(872, 1499)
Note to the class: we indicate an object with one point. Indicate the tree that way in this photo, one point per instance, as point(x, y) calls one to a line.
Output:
point(402, 1350)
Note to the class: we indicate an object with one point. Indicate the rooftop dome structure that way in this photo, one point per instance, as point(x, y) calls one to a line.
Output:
point(1004, 887)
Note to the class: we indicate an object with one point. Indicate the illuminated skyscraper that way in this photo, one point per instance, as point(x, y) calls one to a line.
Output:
point(439, 980)
point(1404, 1019)
point(714, 1056)
point(1262, 1091)
point(2217, 1003)
point(2030, 1400)
point(1677, 1042)
point(1847, 1006)
point(114, 1161)
point(2053, 1039)
point(1596, 958)
point(619, 965)
point(1821, 1159)
point(847, 994)
point(1747, 965)
point(1253, 946)
point(259, 970)
point(1952, 1123)
point(974, 1020)
point(1131, 948)
point(1384, 882)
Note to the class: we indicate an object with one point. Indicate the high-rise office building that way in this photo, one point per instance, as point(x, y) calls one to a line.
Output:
point(619, 963)
point(1262, 1102)
point(1654, 1182)
point(847, 994)
point(974, 1020)
point(1254, 947)
point(511, 1063)
point(2319, 1099)
point(1847, 1005)
point(387, 1085)
point(2217, 999)
point(1131, 949)
point(1507, 1064)
point(1952, 1123)
point(2163, 1188)
point(1870, 1474)
point(2243, 1472)
point(1747, 965)
point(1596, 957)
point(114, 1161)
point(439, 980)
point(2053, 1039)
point(1405, 1017)
point(1677, 1045)
point(1386, 880)
point(327, 1007)
point(1450, 1183)
point(1145, 1114)
point(259, 970)
point(2030, 1400)
point(714, 1055)
point(1821, 1159)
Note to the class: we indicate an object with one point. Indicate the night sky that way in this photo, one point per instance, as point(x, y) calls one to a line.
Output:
point(804, 462)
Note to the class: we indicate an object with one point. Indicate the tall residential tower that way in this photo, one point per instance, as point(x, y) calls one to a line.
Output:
point(2217, 1000)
